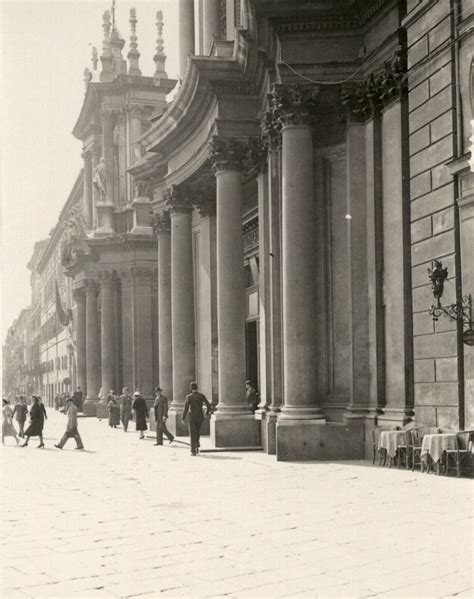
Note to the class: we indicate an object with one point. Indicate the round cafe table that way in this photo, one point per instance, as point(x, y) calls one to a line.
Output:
point(390, 441)
point(433, 446)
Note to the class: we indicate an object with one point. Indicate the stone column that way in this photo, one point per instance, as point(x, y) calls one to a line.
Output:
point(207, 315)
point(80, 299)
point(182, 302)
point(301, 410)
point(356, 219)
point(105, 206)
point(107, 325)
point(88, 197)
point(275, 386)
point(233, 424)
point(211, 24)
point(144, 347)
point(186, 33)
point(92, 348)
point(163, 231)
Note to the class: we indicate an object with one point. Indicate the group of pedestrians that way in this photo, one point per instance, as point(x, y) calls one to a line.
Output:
point(196, 409)
point(120, 409)
point(38, 415)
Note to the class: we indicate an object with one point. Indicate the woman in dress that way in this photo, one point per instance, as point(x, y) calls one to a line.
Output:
point(141, 413)
point(8, 430)
point(114, 410)
point(37, 418)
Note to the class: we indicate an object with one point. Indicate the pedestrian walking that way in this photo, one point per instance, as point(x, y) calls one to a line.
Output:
point(125, 408)
point(37, 417)
point(251, 396)
point(71, 427)
point(141, 413)
point(78, 398)
point(114, 409)
point(8, 430)
point(20, 411)
point(56, 401)
point(193, 408)
point(161, 416)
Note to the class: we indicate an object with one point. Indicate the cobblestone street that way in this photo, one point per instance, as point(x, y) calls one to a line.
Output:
point(126, 519)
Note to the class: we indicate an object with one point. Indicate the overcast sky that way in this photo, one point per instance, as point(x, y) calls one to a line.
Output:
point(45, 48)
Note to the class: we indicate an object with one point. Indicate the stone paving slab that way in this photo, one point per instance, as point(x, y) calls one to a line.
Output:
point(128, 519)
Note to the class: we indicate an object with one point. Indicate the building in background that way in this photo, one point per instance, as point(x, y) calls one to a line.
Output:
point(276, 221)
point(17, 356)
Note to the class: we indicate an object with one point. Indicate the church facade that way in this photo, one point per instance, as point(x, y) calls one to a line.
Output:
point(287, 218)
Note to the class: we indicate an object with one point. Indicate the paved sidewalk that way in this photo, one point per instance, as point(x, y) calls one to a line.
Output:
point(127, 519)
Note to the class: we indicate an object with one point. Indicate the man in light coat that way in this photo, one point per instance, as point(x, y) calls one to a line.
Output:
point(71, 428)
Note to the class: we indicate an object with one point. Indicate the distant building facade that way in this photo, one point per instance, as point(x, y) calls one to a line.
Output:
point(277, 219)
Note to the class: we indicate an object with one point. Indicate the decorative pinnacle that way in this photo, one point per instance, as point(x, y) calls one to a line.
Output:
point(87, 77)
point(133, 54)
point(95, 58)
point(106, 28)
point(160, 56)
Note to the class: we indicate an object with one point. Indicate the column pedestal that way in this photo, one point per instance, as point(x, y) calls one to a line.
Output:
point(141, 217)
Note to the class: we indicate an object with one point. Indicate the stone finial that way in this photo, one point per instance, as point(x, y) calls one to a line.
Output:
point(87, 77)
point(133, 54)
point(106, 58)
point(160, 56)
point(95, 58)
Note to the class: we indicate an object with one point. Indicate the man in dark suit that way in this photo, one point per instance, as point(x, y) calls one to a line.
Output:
point(193, 406)
point(78, 396)
point(161, 415)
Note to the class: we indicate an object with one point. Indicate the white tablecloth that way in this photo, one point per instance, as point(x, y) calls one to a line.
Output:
point(390, 440)
point(435, 445)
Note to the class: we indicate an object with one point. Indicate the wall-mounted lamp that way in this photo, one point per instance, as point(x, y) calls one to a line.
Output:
point(459, 311)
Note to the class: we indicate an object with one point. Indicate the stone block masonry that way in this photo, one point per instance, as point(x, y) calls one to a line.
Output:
point(433, 199)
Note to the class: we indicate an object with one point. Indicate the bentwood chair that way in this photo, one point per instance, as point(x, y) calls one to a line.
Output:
point(463, 452)
point(375, 444)
point(416, 440)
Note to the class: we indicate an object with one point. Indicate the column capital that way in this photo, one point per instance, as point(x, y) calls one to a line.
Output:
point(228, 154)
point(79, 295)
point(177, 199)
point(160, 223)
point(204, 194)
point(270, 127)
point(294, 104)
point(365, 99)
point(91, 286)
point(134, 111)
point(109, 115)
point(108, 278)
point(257, 153)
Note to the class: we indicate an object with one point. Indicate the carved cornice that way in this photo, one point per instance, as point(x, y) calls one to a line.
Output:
point(177, 199)
point(294, 104)
point(228, 154)
point(365, 99)
point(161, 223)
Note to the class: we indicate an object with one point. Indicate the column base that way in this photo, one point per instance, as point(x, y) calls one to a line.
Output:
point(268, 432)
point(395, 416)
point(235, 430)
point(102, 411)
point(316, 440)
point(103, 232)
point(174, 424)
point(142, 230)
point(89, 407)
